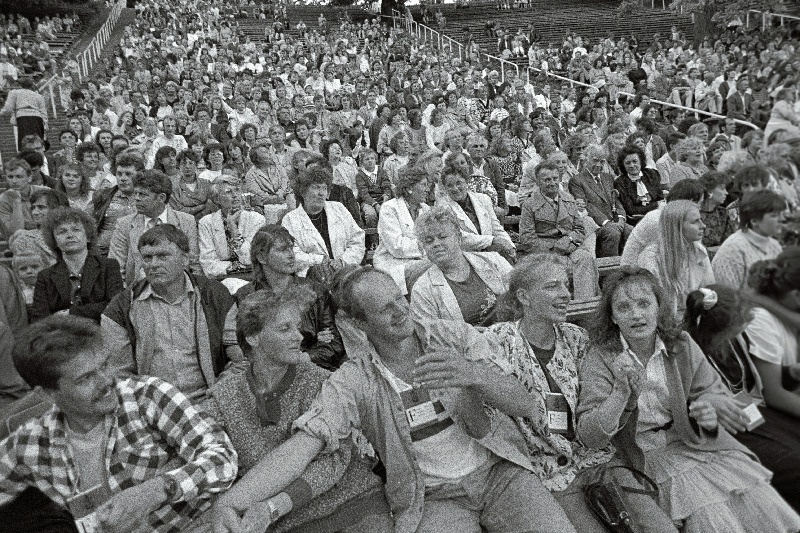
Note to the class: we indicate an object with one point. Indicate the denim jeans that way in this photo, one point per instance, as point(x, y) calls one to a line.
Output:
point(498, 497)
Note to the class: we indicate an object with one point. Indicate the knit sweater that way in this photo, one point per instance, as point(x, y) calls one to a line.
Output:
point(233, 404)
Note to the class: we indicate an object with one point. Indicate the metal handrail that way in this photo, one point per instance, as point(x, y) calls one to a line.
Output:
point(88, 57)
point(396, 15)
point(417, 28)
point(652, 100)
point(766, 18)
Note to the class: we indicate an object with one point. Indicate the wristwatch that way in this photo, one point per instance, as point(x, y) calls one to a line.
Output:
point(171, 488)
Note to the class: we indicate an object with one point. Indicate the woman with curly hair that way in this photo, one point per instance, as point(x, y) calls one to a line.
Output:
point(544, 352)
point(690, 155)
point(81, 283)
point(639, 187)
point(647, 388)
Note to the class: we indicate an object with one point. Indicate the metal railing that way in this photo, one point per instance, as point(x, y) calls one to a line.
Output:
point(421, 31)
point(86, 59)
point(766, 18)
point(445, 42)
point(652, 100)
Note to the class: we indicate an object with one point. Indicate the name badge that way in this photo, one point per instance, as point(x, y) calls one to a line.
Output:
point(425, 417)
point(751, 411)
point(557, 413)
point(84, 505)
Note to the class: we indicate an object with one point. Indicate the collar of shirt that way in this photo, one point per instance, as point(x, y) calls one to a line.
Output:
point(371, 175)
point(759, 241)
point(661, 350)
point(162, 217)
point(149, 293)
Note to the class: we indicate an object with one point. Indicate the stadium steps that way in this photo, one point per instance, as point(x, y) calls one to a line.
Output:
point(592, 19)
point(8, 147)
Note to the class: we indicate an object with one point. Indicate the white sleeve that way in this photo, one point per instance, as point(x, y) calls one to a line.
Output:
point(765, 337)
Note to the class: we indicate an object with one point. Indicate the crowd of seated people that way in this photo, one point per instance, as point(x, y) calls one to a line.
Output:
point(322, 283)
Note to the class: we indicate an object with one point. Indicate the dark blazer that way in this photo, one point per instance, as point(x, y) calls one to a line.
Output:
point(599, 198)
point(739, 105)
point(318, 317)
point(373, 193)
point(100, 282)
point(627, 194)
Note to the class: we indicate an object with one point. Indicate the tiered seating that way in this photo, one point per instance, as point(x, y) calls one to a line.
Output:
point(254, 28)
point(591, 19)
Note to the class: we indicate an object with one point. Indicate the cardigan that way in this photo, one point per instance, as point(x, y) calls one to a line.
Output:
point(689, 378)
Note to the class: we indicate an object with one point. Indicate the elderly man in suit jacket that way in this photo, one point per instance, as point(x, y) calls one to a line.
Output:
point(550, 223)
point(151, 190)
point(596, 188)
point(740, 104)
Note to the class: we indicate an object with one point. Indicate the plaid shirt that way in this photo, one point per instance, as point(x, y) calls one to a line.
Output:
point(154, 431)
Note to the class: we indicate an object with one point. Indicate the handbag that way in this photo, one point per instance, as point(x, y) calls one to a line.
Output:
point(606, 497)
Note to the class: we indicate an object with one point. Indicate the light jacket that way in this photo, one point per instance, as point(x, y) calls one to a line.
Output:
point(347, 239)
point(214, 252)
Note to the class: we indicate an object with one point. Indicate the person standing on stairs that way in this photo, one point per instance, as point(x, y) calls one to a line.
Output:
point(27, 109)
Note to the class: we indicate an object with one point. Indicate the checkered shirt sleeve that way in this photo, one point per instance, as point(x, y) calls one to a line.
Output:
point(157, 432)
point(188, 446)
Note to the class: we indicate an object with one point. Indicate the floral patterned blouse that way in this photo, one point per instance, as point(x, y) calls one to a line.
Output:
point(719, 226)
point(556, 459)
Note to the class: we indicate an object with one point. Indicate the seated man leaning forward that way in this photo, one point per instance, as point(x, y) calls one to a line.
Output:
point(132, 454)
point(172, 324)
point(436, 406)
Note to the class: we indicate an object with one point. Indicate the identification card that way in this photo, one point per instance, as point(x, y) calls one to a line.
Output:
point(557, 413)
point(754, 416)
point(84, 505)
point(425, 417)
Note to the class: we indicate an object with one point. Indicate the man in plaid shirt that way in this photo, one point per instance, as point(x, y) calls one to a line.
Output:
point(159, 458)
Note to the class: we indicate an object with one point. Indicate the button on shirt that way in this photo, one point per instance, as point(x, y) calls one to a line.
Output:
point(175, 357)
point(653, 403)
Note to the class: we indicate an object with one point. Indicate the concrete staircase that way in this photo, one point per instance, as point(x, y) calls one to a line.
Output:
point(8, 147)
point(592, 19)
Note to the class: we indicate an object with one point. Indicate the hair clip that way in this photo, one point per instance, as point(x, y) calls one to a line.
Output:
point(709, 298)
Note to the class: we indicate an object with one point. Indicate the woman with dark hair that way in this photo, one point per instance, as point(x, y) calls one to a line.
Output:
point(717, 318)
point(325, 232)
point(398, 248)
point(75, 186)
point(258, 401)
point(235, 158)
point(274, 271)
point(775, 340)
point(639, 187)
point(214, 155)
point(719, 225)
point(299, 138)
point(760, 219)
point(344, 167)
point(400, 145)
point(189, 193)
point(646, 387)
point(268, 183)
point(166, 161)
point(544, 352)
point(81, 283)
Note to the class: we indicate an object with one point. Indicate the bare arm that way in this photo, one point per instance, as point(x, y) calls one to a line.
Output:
point(774, 394)
point(271, 475)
